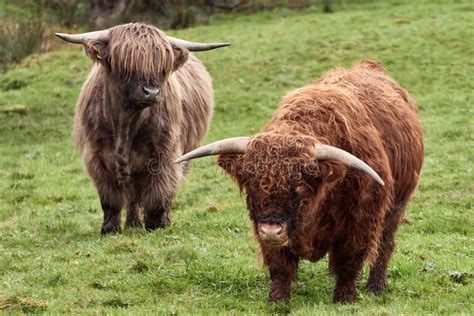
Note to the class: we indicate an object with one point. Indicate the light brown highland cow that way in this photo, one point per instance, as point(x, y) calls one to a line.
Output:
point(307, 193)
point(146, 101)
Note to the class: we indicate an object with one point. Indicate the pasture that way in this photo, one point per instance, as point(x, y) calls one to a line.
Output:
point(53, 259)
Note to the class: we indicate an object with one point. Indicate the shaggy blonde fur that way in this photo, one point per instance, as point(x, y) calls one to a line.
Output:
point(129, 151)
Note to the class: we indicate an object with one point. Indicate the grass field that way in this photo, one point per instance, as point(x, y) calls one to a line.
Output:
point(53, 260)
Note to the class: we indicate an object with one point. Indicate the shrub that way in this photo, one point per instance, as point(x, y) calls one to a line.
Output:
point(19, 39)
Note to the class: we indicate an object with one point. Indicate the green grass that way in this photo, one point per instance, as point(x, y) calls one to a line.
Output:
point(53, 260)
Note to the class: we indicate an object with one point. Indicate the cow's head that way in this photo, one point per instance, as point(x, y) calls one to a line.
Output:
point(139, 58)
point(281, 175)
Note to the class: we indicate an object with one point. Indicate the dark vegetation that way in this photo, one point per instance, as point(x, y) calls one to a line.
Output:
point(32, 20)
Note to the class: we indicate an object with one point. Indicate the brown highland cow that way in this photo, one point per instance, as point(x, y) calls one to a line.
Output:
point(146, 101)
point(307, 193)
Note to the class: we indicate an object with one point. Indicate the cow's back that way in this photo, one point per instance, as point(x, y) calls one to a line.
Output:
point(394, 115)
point(363, 111)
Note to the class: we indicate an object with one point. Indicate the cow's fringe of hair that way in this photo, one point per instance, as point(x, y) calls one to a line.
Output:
point(139, 50)
point(269, 148)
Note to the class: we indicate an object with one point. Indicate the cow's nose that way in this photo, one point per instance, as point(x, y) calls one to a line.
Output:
point(270, 230)
point(151, 93)
point(273, 234)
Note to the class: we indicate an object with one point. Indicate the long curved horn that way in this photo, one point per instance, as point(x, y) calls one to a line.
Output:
point(325, 152)
point(195, 47)
point(81, 38)
point(234, 145)
point(103, 35)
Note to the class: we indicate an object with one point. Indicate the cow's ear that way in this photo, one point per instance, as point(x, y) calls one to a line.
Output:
point(312, 176)
point(332, 171)
point(180, 56)
point(97, 51)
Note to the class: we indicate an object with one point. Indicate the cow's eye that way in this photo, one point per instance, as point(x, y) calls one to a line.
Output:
point(300, 190)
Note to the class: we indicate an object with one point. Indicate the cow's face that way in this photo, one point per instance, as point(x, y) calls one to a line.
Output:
point(279, 178)
point(139, 60)
point(274, 215)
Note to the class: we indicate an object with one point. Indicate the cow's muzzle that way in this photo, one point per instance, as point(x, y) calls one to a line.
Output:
point(273, 234)
point(150, 94)
point(145, 96)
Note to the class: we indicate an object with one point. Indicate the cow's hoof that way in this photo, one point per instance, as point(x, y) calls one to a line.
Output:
point(164, 220)
point(110, 228)
point(279, 300)
point(133, 223)
point(279, 295)
point(152, 226)
point(153, 223)
point(344, 296)
point(377, 286)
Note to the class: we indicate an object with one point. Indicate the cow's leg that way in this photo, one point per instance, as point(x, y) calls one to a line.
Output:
point(111, 200)
point(357, 244)
point(111, 221)
point(158, 195)
point(346, 264)
point(283, 267)
point(158, 216)
point(133, 215)
point(377, 282)
point(133, 210)
point(358, 240)
point(110, 193)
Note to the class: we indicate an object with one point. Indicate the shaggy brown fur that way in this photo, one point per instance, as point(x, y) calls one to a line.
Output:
point(328, 207)
point(129, 149)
